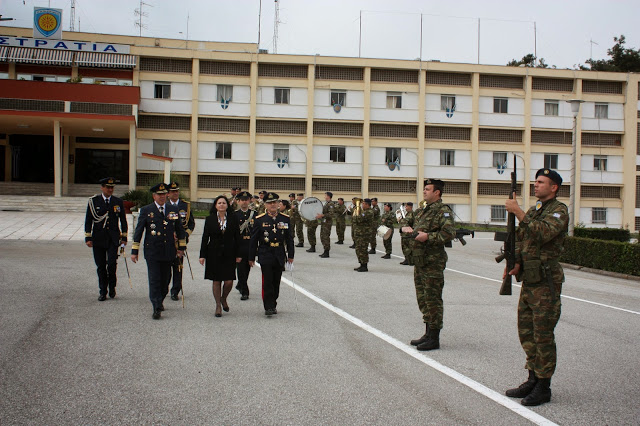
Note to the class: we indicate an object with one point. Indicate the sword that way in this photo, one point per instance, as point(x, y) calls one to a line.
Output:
point(124, 255)
point(188, 262)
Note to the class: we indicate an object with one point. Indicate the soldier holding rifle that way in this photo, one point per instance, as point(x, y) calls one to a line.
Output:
point(539, 243)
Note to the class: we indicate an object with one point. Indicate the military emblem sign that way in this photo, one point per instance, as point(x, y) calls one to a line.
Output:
point(47, 23)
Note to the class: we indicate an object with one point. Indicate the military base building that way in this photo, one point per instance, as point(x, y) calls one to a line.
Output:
point(229, 114)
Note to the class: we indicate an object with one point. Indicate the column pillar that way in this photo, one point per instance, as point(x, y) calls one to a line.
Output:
point(475, 125)
point(365, 132)
point(422, 107)
point(252, 126)
point(65, 165)
point(133, 155)
point(57, 163)
point(8, 155)
point(195, 108)
point(311, 82)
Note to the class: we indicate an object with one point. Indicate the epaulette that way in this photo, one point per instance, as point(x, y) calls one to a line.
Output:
point(187, 202)
point(285, 215)
point(259, 216)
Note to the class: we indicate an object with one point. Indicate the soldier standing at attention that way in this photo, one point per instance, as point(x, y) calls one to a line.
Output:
point(103, 235)
point(539, 243)
point(159, 222)
point(374, 225)
point(188, 224)
point(406, 242)
point(246, 218)
point(431, 229)
point(361, 223)
point(270, 236)
point(312, 225)
point(297, 219)
point(353, 238)
point(388, 219)
point(341, 226)
point(326, 220)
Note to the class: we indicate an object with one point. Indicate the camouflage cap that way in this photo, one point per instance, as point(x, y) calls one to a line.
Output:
point(551, 174)
point(160, 188)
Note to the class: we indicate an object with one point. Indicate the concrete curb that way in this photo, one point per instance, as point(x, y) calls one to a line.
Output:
point(600, 272)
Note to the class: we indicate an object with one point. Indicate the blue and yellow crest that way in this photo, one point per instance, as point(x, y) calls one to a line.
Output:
point(47, 21)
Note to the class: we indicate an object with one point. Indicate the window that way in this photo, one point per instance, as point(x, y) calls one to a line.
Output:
point(498, 213)
point(162, 90)
point(339, 98)
point(551, 161)
point(600, 162)
point(282, 95)
point(225, 93)
point(447, 157)
point(551, 107)
point(223, 150)
point(392, 155)
point(280, 151)
point(500, 159)
point(394, 100)
point(599, 215)
point(500, 105)
point(337, 154)
point(602, 111)
point(447, 103)
point(161, 147)
point(113, 82)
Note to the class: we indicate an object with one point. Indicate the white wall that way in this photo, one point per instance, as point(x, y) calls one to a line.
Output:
point(614, 218)
point(178, 103)
point(513, 118)
point(460, 171)
point(488, 171)
point(323, 166)
point(462, 211)
point(615, 122)
point(462, 114)
point(207, 162)
point(353, 110)
point(180, 151)
point(210, 105)
point(407, 114)
point(265, 164)
point(484, 215)
point(537, 162)
point(378, 167)
point(564, 119)
point(266, 107)
point(613, 174)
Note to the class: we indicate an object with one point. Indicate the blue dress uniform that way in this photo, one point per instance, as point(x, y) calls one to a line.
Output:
point(102, 229)
point(159, 246)
point(246, 221)
point(188, 224)
point(269, 238)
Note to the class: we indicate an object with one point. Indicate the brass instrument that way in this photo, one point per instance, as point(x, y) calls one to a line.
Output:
point(401, 213)
point(422, 204)
point(357, 209)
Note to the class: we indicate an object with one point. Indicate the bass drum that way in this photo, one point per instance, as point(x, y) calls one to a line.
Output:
point(384, 232)
point(310, 207)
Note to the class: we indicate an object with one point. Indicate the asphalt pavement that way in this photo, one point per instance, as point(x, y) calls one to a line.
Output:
point(336, 353)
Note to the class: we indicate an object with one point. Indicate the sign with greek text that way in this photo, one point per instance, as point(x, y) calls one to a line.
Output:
point(67, 45)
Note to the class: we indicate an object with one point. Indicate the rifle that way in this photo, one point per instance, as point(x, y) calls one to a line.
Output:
point(508, 251)
point(460, 234)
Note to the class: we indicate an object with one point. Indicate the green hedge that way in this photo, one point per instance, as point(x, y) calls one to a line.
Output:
point(611, 234)
point(611, 256)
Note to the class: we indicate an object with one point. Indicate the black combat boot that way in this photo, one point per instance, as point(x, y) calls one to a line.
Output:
point(311, 249)
point(525, 388)
point(422, 339)
point(352, 245)
point(432, 342)
point(339, 242)
point(300, 244)
point(372, 251)
point(386, 256)
point(362, 268)
point(540, 394)
point(404, 262)
point(325, 253)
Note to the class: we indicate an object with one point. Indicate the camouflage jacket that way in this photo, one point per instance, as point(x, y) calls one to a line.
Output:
point(363, 222)
point(388, 219)
point(436, 219)
point(329, 211)
point(539, 241)
point(376, 215)
point(295, 213)
point(339, 212)
point(407, 220)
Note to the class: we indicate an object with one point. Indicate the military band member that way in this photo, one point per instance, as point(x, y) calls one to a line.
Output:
point(261, 206)
point(539, 243)
point(270, 237)
point(388, 219)
point(353, 239)
point(232, 197)
point(406, 242)
point(312, 226)
point(255, 203)
point(188, 224)
point(284, 207)
point(361, 223)
point(161, 224)
point(374, 226)
point(246, 217)
point(326, 220)
point(103, 234)
point(297, 219)
point(340, 216)
point(432, 227)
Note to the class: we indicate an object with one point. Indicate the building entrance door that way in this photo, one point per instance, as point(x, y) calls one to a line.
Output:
point(31, 158)
point(95, 164)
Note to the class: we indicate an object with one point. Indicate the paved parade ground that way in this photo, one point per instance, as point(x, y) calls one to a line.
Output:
point(336, 353)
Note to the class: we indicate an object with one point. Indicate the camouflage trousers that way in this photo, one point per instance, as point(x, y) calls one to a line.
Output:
point(406, 244)
point(362, 246)
point(538, 315)
point(429, 286)
point(372, 238)
point(325, 234)
point(299, 231)
point(311, 232)
point(341, 226)
point(387, 243)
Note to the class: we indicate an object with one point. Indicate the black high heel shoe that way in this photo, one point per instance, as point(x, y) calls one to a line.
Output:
point(225, 308)
point(218, 314)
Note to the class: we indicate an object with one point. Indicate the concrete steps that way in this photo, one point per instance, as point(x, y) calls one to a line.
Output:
point(26, 203)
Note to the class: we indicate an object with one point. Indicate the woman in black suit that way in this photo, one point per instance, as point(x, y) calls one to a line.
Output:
point(219, 249)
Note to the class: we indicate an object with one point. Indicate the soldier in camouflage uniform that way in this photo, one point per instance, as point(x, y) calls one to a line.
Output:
point(297, 219)
point(353, 239)
point(431, 229)
point(284, 207)
point(406, 242)
point(361, 224)
point(261, 208)
point(326, 221)
point(388, 219)
point(374, 225)
point(341, 226)
point(539, 243)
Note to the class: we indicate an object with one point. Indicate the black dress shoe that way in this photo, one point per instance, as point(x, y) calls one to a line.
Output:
point(386, 256)
point(112, 293)
point(268, 312)
point(102, 298)
point(275, 311)
point(174, 297)
point(156, 314)
point(244, 297)
point(300, 245)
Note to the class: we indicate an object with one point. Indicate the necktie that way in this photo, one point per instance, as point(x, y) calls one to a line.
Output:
point(162, 211)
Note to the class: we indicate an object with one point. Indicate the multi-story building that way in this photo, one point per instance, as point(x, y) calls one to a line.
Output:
point(230, 115)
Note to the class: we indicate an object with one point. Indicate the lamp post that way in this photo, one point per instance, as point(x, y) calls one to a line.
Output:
point(575, 110)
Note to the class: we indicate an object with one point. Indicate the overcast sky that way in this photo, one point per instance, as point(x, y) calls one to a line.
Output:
point(390, 29)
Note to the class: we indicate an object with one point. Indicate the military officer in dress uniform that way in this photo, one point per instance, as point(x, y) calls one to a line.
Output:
point(270, 236)
point(188, 223)
point(246, 217)
point(161, 224)
point(102, 233)
point(341, 226)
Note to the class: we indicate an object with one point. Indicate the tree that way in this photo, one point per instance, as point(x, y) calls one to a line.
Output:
point(529, 61)
point(622, 59)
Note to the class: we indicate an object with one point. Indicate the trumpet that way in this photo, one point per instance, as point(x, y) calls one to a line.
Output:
point(422, 204)
point(357, 208)
point(401, 213)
